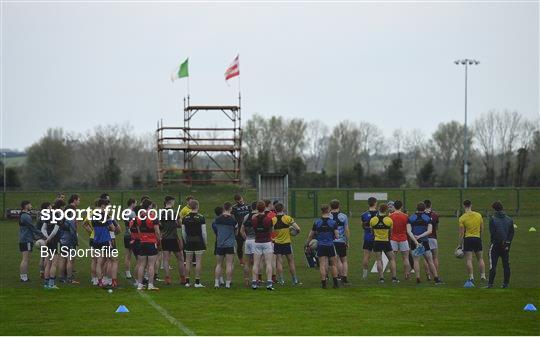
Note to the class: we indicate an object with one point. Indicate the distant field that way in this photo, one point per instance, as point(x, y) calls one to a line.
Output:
point(304, 203)
point(365, 308)
point(15, 161)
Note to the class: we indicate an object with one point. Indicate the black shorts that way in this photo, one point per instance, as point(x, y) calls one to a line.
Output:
point(136, 247)
point(148, 249)
point(328, 251)
point(382, 246)
point(26, 246)
point(341, 249)
point(368, 245)
point(472, 244)
point(99, 245)
point(127, 242)
point(194, 246)
point(221, 251)
point(282, 248)
point(170, 245)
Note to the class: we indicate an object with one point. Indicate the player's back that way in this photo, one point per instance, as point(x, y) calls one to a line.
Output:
point(193, 225)
point(225, 227)
point(324, 230)
point(472, 222)
point(399, 229)
point(381, 225)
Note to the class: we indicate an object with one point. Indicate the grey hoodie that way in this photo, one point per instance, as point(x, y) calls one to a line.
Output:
point(27, 230)
point(501, 228)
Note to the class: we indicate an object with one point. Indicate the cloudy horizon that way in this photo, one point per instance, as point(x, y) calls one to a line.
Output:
point(79, 65)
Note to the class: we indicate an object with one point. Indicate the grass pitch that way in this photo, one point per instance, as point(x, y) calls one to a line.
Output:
point(365, 308)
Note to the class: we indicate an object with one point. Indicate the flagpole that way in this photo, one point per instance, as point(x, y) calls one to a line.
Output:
point(188, 90)
point(239, 91)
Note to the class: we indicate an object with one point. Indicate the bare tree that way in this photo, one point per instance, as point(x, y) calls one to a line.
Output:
point(371, 140)
point(317, 144)
point(485, 132)
point(398, 138)
point(345, 140)
point(448, 149)
point(507, 128)
point(414, 144)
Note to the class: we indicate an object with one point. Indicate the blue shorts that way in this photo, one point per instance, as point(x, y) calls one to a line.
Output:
point(282, 248)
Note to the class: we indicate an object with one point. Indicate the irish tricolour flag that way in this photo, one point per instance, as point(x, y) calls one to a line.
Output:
point(180, 71)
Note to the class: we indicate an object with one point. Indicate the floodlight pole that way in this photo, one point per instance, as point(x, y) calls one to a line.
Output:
point(4, 162)
point(466, 63)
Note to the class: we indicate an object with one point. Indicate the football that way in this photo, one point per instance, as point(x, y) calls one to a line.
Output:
point(459, 252)
point(313, 244)
point(39, 243)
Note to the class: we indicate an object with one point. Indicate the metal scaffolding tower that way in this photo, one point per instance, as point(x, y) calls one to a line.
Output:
point(222, 147)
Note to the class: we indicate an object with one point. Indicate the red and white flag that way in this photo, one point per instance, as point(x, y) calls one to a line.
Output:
point(233, 70)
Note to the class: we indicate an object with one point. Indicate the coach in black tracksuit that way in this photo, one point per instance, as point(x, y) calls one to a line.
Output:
point(501, 229)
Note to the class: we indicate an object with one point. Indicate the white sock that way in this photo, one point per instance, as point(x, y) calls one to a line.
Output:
point(128, 273)
point(221, 280)
point(24, 277)
point(364, 273)
point(216, 282)
point(471, 277)
point(228, 284)
point(483, 275)
point(150, 285)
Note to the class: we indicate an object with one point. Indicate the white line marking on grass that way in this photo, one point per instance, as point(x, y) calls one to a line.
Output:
point(165, 314)
point(161, 310)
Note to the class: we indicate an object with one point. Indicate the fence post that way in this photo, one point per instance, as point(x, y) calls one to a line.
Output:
point(4, 205)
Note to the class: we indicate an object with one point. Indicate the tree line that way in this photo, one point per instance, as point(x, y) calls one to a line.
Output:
point(504, 151)
point(110, 156)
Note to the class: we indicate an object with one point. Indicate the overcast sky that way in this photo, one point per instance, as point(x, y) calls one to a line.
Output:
point(78, 65)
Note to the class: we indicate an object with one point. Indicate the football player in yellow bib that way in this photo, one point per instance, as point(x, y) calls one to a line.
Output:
point(282, 242)
point(382, 224)
point(471, 225)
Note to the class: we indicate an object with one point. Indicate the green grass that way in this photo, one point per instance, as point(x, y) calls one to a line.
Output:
point(304, 203)
point(365, 308)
